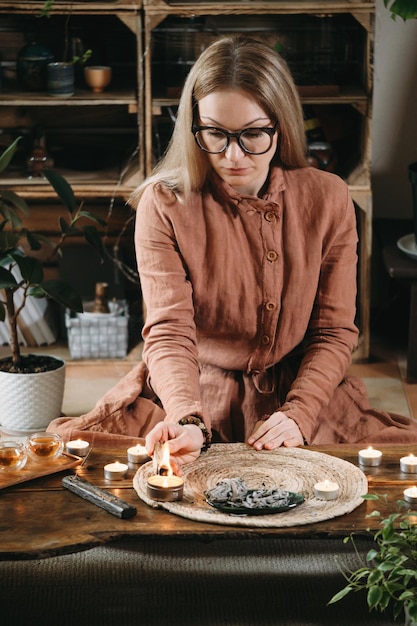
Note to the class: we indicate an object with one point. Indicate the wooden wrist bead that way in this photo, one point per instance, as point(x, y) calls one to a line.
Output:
point(197, 421)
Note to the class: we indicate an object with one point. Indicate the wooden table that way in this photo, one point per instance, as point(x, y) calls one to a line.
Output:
point(41, 519)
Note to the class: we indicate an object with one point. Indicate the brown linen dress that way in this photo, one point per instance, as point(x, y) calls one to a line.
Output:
point(250, 307)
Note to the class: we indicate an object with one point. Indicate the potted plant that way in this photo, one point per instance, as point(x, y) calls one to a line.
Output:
point(407, 9)
point(60, 74)
point(389, 572)
point(21, 276)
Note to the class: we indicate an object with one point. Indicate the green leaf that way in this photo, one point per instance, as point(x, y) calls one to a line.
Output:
point(7, 280)
point(374, 596)
point(341, 594)
point(62, 293)
point(8, 241)
point(32, 239)
point(92, 236)
point(7, 155)
point(30, 268)
point(94, 218)
point(66, 229)
point(407, 9)
point(62, 188)
point(10, 201)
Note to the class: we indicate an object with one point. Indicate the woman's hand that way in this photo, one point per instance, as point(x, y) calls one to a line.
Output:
point(278, 430)
point(185, 442)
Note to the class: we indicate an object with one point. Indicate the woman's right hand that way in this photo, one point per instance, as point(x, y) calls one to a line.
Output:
point(185, 442)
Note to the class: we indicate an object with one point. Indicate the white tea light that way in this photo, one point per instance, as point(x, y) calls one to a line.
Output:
point(79, 447)
point(165, 488)
point(326, 490)
point(115, 471)
point(408, 464)
point(410, 495)
point(137, 454)
point(370, 457)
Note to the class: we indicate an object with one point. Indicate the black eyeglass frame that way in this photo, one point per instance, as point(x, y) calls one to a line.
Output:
point(269, 130)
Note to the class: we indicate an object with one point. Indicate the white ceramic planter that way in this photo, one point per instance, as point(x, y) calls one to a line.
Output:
point(28, 402)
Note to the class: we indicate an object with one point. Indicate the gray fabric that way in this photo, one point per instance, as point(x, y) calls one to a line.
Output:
point(166, 582)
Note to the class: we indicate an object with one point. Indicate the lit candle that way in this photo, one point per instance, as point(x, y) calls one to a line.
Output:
point(13, 455)
point(79, 447)
point(165, 488)
point(137, 454)
point(410, 495)
point(326, 490)
point(115, 471)
point(370, 456)
point(408, 464)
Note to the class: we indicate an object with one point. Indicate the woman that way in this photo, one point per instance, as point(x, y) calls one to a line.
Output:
point(247, 259)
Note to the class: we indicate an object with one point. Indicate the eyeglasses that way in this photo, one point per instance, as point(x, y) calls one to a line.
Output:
point(251, 140)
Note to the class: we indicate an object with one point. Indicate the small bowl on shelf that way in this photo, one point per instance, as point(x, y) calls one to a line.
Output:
point(97, 77)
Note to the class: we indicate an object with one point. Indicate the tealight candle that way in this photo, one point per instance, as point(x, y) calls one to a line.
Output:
point(408, 464)
point(13, 455)
point(370, 457)
point(137, 454)
point(326, 490)
point(79, 447)
point(115, 471)
point(165, 488)
point(410, 495)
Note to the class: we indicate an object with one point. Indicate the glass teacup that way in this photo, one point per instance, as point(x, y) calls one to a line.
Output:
point(45, 446)
point(13, 455)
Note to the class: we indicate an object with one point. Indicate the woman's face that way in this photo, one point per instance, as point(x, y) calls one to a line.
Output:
point(233, 110)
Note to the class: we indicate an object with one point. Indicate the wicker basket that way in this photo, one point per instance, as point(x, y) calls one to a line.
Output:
point(98, 335)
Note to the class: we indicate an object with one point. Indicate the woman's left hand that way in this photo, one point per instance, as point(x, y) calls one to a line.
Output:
point(278, 430)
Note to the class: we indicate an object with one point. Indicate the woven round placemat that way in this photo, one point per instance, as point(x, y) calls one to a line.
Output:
point(292, 469)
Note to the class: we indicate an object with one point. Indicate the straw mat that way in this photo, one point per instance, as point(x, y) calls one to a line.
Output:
point(292, 469)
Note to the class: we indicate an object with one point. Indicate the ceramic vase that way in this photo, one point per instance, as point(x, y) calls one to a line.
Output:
point(29, 402)
point(31, 67)
point(61, 80)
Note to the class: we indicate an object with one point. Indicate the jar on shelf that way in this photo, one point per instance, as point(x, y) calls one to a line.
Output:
point(39, 158)
point(32, 61)
point(320, 151)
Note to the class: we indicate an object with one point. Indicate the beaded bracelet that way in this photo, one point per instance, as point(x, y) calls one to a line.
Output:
point(197, 421)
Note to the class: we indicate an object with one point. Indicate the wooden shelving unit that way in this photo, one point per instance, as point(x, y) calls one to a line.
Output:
point(108, 125)
point(165, 36)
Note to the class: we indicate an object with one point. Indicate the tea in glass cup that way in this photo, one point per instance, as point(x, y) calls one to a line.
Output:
point(45, 446)
point(13, 455)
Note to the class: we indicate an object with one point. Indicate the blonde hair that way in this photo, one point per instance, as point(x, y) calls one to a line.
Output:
point(241, 63)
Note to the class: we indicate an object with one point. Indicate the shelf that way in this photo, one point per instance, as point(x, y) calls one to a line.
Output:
point(77, 6)
point(347, 95)
point(80, 98)
point(89, 135)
